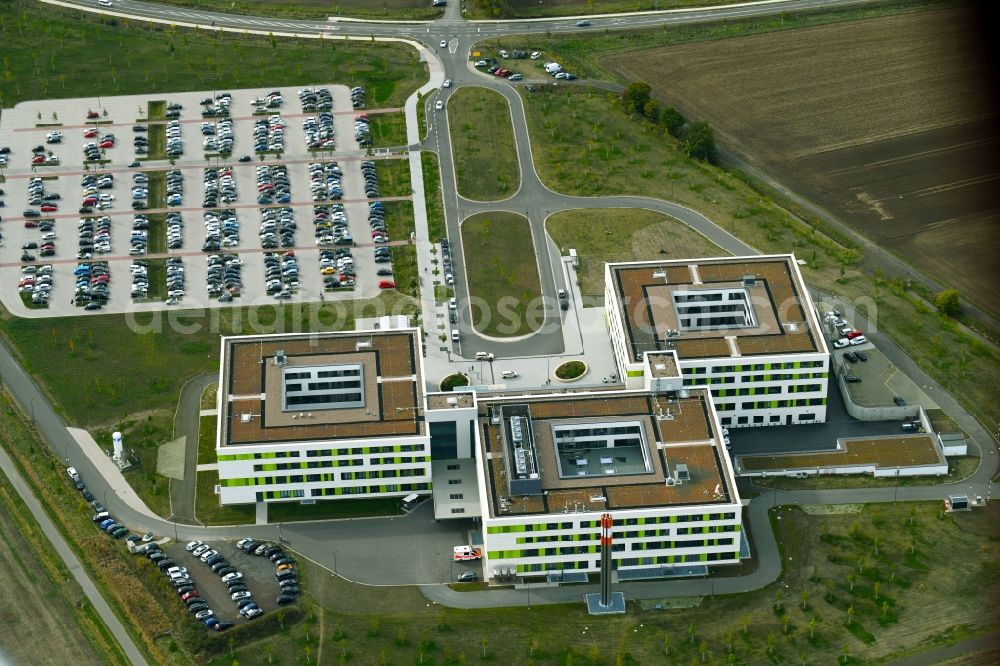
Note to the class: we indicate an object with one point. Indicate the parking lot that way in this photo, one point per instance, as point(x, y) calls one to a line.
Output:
point(293, 179)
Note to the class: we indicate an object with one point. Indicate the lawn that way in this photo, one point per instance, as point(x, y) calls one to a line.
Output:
point(321, 9)
point(285, 512)
point(432, 196)
point(206, 439)
point(602, 235)
point(144, 434)
point(585, 144)
point(388, 129)
point(98, 369)
point(394, 177)
point(399, 218)
point(504, 290)
point(211, 512)
point(150, 59)
point(482, 141)
point(157, 135)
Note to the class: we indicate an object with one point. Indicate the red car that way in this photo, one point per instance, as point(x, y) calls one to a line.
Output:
point(92, 114)
point(30, 224)
point(386, 284)
point(90, 134)
point(107, 144)
point(49, 208)
point(849, 336)
point(189, 595)
point(38, 159)
point(90, 201)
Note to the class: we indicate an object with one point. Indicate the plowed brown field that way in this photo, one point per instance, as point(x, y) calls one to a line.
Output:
point(889, 123)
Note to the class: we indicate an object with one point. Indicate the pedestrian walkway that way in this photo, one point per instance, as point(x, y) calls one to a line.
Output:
point(109, 470)
point(261, 514)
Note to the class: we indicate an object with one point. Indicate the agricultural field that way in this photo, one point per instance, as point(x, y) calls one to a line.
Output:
point(503, 280)
point(482, 139)
point(602, 235)
point(47, 618)
point(889, 123)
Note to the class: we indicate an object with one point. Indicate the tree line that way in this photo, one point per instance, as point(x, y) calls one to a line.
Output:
point(697, 138)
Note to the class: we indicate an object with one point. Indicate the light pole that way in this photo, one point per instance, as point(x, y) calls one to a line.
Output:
point(335, 563)
point(173, 519)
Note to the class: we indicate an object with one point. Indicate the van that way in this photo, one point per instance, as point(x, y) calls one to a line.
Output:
point(410, 501)
point(452, 303)
point(454, 335)
point(484, 356)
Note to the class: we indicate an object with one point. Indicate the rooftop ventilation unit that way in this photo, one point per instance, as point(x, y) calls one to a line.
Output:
point(452, 401)
point(598, 498)
point(245, 418)
point(681, 472)
point(659, 275)
point(749, 280)
point(280, 359)
point(362, 344)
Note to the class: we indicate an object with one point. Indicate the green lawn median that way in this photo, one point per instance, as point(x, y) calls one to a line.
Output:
point(482, 141)
point(432, 196)
point(504, 288)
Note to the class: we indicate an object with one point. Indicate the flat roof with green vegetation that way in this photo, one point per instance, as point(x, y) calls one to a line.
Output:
point(503, 275)
point(880, 452)
point(610, 235)
point(482, 142)
point(154, 59)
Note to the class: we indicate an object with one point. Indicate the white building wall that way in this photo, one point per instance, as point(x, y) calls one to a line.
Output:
point(354, 469)
point(642, 538)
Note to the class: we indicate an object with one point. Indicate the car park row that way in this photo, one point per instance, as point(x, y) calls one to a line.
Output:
point(121, 222)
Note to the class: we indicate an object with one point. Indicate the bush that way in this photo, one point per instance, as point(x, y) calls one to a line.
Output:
point(948, 303)
point(451, 382)
point(571, 370)
point(699, 141)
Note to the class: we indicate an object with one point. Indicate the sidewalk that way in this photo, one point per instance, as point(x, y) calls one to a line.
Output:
point(109, 470)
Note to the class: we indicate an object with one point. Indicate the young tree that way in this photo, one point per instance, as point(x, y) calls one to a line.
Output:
point(691, 632)
point(885, 609)
point(878, 588)
point(805, 599)
point(699, 141)
point(850, 615)
point(672, 120)
point(703, 650)
point(786, 621)
point(771, 638)
point(666, 643)
point(812, 627)
point(852, 579)
point(948, 302)
point(745, 621)
point(635, 96)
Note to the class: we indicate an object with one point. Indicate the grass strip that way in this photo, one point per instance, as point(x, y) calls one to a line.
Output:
point(394, 177)
point(206, 439)
point(388, 129)
point(399, 218)
point(432, 196)
point(482, 141)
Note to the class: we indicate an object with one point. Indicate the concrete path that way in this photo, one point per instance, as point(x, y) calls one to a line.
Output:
point(70, 560)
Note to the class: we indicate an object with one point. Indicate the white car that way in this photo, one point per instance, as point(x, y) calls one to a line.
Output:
point(192, 545)
point(236, 575)
point(536, 55)
point(104, 3)
point(199, 550)
point(841, 343)
point(447, 83)
point(72, 472)
point(859, 340)
point(438, 105)
point(444, 43)
point(236, 596)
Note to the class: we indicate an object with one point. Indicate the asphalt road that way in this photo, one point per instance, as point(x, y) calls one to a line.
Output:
point(70, 560)
point(186, 424)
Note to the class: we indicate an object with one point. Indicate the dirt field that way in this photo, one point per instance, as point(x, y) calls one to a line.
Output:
point(39, 627)
point(889, 123)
